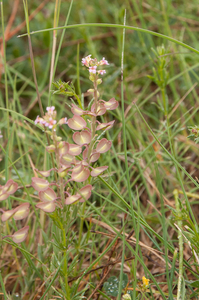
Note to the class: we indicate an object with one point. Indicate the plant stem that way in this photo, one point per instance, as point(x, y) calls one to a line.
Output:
point(61, 189)
point(93, 130)
point(5, 69)
point(180, 238)
point(61, 193)
point(56, 18)
point(108, 25)
point(66, 264)
point(93, 121)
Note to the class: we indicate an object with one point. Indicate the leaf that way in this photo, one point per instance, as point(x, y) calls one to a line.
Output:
point(193, 283)
point(111, 286)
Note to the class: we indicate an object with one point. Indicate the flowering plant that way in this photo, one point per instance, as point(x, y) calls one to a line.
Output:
point(73, 163)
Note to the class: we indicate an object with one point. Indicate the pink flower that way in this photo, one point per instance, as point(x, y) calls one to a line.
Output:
point(101, 72)
point(86, 60)
point(51, 122)
point(50, 109)
point(39, 120)
point(103, 62)
point(93, 69)
point(63, 121)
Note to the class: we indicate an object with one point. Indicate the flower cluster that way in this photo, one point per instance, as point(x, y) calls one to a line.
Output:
point(73, 162)
point(92, 64)
point(49, 119)
point(145, 282)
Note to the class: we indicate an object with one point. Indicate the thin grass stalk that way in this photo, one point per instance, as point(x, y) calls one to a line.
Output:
point(55, 276)
point(180, 239)
point(163, 91)
point(78, 78)
point(124, 124)
point(130, 194)
point(3, 286)
point(118, 234)
point(25, 3)
point(60, 44)
point(9, 152)
point(34, 76)
point(5, 69)
point(66, 264)
point(165, 105)
point(100, 256)
point(122, 262)
point(132, 11)
point(137, 247)
point(117, 26)
point(55, 24)
point(176, 164)
point(164, 229)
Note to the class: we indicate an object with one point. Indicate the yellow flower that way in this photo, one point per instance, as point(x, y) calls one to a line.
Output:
point(145, 282)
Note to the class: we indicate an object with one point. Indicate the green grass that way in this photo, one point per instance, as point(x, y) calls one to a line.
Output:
point(150, 188)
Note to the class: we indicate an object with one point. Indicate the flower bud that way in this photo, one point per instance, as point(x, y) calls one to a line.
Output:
point(90, 91)
point(99, 81)
point(92, 77)
point(58, 138)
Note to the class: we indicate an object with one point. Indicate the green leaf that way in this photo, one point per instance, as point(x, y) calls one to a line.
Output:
point(111, 286)
point(193, 283)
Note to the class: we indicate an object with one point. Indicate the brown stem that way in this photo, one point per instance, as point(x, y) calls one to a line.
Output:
point(93, 121)
point(61, 190)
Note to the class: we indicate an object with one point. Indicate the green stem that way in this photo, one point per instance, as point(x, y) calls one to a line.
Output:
point(5, 69)
point(107, 25)
point(66, 265)
point(175, 195)
point(81, 224)
point(180, 238)
point(56, 18)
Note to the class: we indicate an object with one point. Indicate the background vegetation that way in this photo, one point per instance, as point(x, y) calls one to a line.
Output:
point(146, 206)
